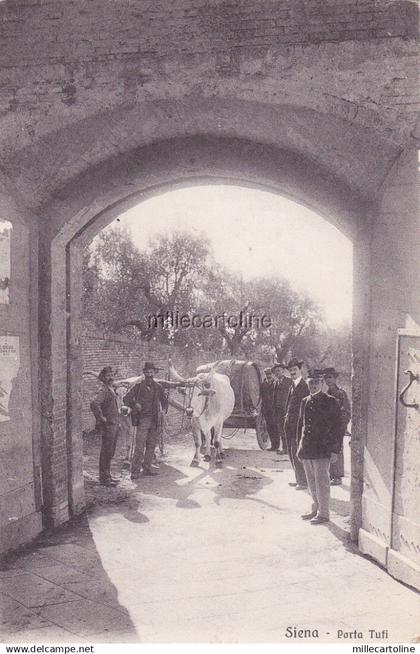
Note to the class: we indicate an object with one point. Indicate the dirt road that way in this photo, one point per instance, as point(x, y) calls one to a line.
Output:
point(203, 555)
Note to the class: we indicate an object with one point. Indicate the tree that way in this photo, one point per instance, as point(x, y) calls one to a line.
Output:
point(335, 348)
point(295, 320)
point(277, 320)
point(143, 292)
point(130, 285)
point(227, 298)
point(175, 263)
point(94, 300)
point(113, 276)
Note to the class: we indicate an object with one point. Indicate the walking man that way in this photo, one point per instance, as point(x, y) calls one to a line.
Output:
point(319, 429)
point(146, 400)
point(281, 391)
point(268, 409)
point(298, 390)
point(330, 377)
point(105, 409)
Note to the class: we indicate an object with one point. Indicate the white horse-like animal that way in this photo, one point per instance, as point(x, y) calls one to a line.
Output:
point(209, 402)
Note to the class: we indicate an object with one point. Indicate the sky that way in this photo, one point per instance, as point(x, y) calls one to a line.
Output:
point(257, 233)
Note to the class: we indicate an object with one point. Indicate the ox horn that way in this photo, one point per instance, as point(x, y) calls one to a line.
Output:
point(173, 374)
point(128, 381)
point(91, 372)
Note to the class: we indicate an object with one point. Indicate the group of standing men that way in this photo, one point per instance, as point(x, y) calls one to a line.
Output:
point(310, 424)
point(145, 402)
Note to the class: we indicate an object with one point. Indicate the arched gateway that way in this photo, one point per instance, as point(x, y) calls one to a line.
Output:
point(165, 99)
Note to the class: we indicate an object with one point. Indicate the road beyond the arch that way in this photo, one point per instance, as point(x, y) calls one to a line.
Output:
point(203, 555)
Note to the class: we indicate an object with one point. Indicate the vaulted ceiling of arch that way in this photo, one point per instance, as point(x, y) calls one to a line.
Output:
point(83, 81)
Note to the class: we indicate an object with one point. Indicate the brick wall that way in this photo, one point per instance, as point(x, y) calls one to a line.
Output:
point(313, 98)
point(158, 27)
point(128, 357)
point(83, 81)
point(20, 498)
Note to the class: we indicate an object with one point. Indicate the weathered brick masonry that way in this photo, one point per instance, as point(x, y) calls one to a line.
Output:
point(104, 103)
point(128, 357)
point(64, 62)
point(158, 27)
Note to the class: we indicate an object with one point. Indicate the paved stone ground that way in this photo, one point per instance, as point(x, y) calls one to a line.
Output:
point(200, 555)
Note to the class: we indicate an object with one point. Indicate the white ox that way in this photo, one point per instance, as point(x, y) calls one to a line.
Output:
point(209, 401)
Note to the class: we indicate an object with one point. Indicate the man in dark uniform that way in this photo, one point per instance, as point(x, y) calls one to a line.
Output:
point(330, 377)
point(146, 400)
point(319, 428)
point(105, 409)
point(268, 409)
point(281, 391)
point(298, 390)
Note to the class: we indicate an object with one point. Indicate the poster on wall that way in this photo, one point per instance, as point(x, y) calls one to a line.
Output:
point(9, 366)
point(5, 243)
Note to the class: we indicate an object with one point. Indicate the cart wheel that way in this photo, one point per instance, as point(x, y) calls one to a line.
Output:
point(261, 432)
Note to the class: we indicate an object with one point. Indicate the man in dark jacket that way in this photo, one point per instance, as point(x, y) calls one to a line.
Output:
point(281, 391)
point(330, 377)
point(298, 390)
point(105, 409)
point(268, 409)
point(146, 400)
point(319, 428)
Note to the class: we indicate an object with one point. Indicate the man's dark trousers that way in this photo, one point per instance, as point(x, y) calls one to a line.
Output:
point(294, 399)
point(273, 432)
point(282, 435)
point(146, 441)
point(292, 446)
point(109, 433)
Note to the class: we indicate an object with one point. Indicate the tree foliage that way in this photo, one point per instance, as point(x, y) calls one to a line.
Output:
point(177, 273)
point(114, 274)
point(124, 286)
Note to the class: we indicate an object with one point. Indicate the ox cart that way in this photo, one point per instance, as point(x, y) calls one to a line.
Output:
point(245, 379)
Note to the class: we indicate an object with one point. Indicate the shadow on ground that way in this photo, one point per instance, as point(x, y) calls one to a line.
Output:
point(245, 473)
point(56, 590)
point(166, 547)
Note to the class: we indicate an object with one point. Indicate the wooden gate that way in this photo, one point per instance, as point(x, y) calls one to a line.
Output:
point(403, 559)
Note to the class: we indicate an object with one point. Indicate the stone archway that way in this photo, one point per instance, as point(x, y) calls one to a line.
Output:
point(379, 293)
point(318, 109)
point(197, 161)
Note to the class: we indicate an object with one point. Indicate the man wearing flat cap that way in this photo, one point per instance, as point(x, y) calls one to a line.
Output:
point(319, 429)
point(105, 409)
point(298, 390)
point(330, 377)
point(146, 400)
